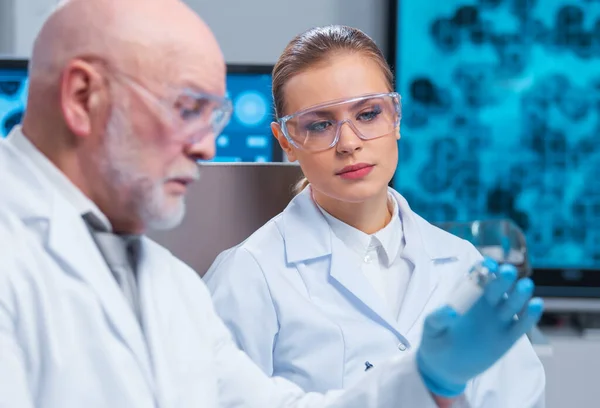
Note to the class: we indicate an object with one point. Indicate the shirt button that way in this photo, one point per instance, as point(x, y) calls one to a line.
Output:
point(368, 258)
point(401, 347)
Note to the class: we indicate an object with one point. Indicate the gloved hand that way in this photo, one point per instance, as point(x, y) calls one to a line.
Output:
point(455, 348)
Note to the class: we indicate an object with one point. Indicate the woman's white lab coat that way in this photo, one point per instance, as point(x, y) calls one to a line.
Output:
point(296, 301)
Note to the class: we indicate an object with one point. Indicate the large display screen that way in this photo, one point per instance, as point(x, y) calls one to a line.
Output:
point(501, 102)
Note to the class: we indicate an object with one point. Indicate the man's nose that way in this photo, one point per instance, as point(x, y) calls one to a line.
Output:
point(203, 149)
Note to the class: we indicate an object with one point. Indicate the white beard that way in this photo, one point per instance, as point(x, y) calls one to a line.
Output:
point(119, 167)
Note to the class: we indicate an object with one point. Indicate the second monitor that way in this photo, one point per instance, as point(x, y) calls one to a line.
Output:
point(247, 137)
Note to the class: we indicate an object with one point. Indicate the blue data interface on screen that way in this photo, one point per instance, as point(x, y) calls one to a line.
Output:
point(501, 103)
point(247, 137)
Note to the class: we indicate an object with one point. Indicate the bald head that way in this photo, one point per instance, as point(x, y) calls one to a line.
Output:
point(112, 85)
point(135, 35)
point(155, 41)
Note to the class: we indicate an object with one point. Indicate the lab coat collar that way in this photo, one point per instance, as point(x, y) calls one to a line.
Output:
point(308, 236)
point(392, 236)
point(415, 231)
point(305, 230)
point(66, 237)
point(353, 238)
point(57, 179)
point(389, 239)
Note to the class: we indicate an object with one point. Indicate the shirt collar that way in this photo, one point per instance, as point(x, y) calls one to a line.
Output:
point(390, 238)
point(55, 177)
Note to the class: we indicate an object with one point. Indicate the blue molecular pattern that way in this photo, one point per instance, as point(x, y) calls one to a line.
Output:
point(13, 96)
point(501, 104)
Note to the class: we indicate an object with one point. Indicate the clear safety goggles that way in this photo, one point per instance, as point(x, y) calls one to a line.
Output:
point(318, 128)
point(191, 115)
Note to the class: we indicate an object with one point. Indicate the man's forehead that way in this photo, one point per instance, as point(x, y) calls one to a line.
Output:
point(206, 74)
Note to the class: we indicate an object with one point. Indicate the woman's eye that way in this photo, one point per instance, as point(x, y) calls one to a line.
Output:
point(369, 115)
point(318, 126)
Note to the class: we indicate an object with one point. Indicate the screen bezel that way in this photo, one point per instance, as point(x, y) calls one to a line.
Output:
point(14, 64)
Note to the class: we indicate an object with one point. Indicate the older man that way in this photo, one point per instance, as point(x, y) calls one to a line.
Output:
point(125, 97)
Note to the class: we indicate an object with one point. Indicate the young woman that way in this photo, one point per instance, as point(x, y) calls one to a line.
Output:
point(343, 279)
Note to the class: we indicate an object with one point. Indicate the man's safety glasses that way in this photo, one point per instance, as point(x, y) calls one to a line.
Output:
point(191, 115)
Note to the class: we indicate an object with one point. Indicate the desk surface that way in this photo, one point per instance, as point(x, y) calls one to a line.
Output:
point(572, 370)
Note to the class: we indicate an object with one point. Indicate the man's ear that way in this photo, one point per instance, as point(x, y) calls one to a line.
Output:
point(283, 142)
point(81, 93)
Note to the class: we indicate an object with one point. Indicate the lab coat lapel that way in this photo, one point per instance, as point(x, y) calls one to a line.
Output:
point(420, 288)
point(423, 281)
point(157, 316)
point(305, 231)
point(346, 270)
point(70, 241)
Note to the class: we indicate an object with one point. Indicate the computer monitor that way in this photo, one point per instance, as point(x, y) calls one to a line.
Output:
point(247, 138)
point(501, 118)
point(13, 93)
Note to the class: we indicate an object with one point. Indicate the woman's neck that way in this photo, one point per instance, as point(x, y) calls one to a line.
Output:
point(367, 216)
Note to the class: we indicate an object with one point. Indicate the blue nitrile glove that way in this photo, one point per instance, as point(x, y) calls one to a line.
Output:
point(455, 348)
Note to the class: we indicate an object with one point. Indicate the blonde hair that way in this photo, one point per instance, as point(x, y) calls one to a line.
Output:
point(301, 185)
point(316, 45)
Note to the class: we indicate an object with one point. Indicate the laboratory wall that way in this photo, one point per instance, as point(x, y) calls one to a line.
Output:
point(249, 31)
point(6, 26)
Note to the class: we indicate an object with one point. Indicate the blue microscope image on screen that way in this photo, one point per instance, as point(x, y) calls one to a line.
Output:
point(501, 104)
point(248, 136)
point(13, 95)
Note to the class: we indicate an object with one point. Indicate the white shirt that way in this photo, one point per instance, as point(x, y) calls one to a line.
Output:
point(60, 182)
point(380, 255)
